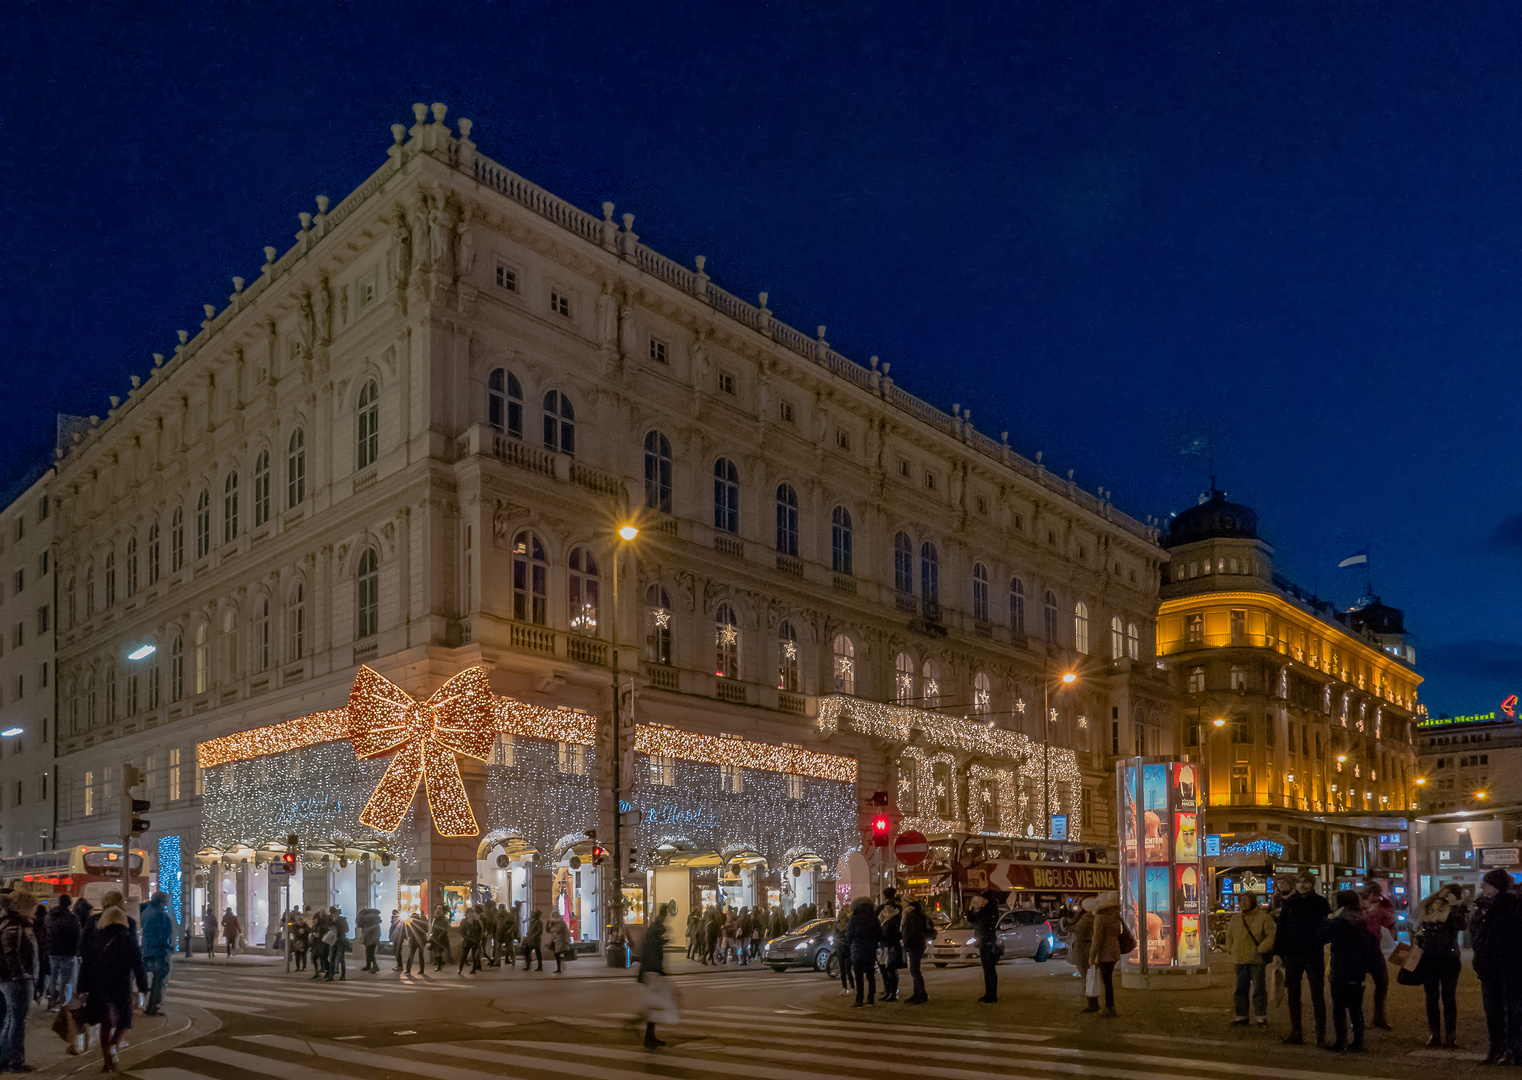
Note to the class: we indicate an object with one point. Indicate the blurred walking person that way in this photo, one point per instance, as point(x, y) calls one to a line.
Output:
point(63, 953)
point(533, 941)
point(659, 995)
point(19, 966)
point(231, 930)
point(415, 939)
point(158, 943)
point(1379, 916)
point(559, 935)
point(1080, 943)
point(338, 953)
point(890, 915)
point(1353, 955)
point(111, 962)
point(208, 929)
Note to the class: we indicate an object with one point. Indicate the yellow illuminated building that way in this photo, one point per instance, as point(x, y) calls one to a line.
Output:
point(1302, 716)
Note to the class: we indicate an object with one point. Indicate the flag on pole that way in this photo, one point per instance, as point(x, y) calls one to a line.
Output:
point(1358, 558)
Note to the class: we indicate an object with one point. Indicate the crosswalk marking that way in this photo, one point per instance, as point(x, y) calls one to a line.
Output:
point(666, 1060)
point(384, 1062)
point(255, 1063)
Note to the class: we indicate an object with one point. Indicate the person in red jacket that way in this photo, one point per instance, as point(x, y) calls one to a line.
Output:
point(1379, 915)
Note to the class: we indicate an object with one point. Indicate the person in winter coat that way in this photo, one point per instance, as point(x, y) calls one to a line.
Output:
point(843, 952)
point(1080, 941)
point(1444, 916)
point(338, 955)
point(747, 924)
point(208, 928)
point(1497, 929)
point(1249, 940)
point(1297, 943)
point(470, 941)
point(158, 943)
point(507, 935)
point(533, 941)
point(322, 952)
point(40, 936)
point(984, 913)
point(18, 973)
point(301, 939)
point(731, 938)
point(890, 914)
point(438, 939)
point(368, 922)
point(1379, 916)
point(395, 934)
point(915, 930)
point(693, 940)
point(1353, 954)
point(231, 928)
point(110, 964)
point(863, 935)
point(415, 942)
point(488, 953)
point(559, 940)
point(659, 996)
point(63, 953)
point(1104, 948)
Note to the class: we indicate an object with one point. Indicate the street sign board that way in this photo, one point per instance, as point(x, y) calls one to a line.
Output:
point(1052, 877)
point(911, 848)
point(1212, 845)
point(1059, 829)
point(1500, 856)
point(277, 868)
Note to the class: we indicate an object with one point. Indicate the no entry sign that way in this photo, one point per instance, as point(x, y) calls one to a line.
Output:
point(910, 848)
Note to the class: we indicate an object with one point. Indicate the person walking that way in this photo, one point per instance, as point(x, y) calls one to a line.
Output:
point(438, 939)
point(158, 943)
point(470, 942)
point(1249, 940)
point(890, 914)
point(863, 935)
point(63, 953)
point(208, 928)
point(843, 952)
point(533, 941)
point(1353, 954)
point(1497, 929)
point(19, 966)
point(1444, 916)
point(231, 929)
point(693, 943)
point(507, 936)
point(1080, 943)
point(415, 940)
point(1297, 943)
point(659, 995)
point(559, 935)
point(1379, 916)
point(1105, 948)
point(40, 938)
point(488, 913)
point(983, 911)
point(396, 934)
point(368, 923)
point(338, 954)
point(111, 962)
point(915, 931)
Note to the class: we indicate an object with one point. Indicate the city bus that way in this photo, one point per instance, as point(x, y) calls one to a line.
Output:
point(80, 871)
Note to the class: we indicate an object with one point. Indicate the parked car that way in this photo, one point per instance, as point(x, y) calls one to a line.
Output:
point(807, 946)
point(1024, 933)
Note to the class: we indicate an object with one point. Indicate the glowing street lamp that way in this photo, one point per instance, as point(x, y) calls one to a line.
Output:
point(626, 533)
point(143, 651)
point(1219, 721)
point(10, 731)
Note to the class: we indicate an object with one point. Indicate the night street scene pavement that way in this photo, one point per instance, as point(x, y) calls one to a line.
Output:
point(799, 541)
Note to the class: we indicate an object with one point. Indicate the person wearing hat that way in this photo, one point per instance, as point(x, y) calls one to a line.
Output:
point(1298, 943)
point(1354, 954)
point(916, 934)
point(1497, 930)
point(863, 936)
point(984, 915)
point(890, 915)
point(1080, 941)
point(1104, 947)
point(1379, 916)
point(1444, 916)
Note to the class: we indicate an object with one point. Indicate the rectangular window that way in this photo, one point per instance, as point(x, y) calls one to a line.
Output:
point(731, 779)
point(89, 793)
point(174, 775)
point(903, 468)
point(794, 787)
point(785, 410)
point(507, 278)
point(929, 480)
point(503, 751)
point(982, 504)
point(1238, 626)
point(657, 350)
point(366, 291)
point(726, 382)
point(42, 676)
point(560, 304)
point(42, 619)
point(20, 580)
point(42, 508)
point(842, 439)
point(662, 770)
point(571, 758)
point(42, 564)
point(1239, 778)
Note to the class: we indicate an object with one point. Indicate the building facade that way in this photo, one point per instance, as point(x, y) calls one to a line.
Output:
point(1471, 762)
point(408, 445)
point(1302, 717)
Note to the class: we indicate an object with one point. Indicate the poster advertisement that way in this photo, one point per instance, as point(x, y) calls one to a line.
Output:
point(1188, 887)
point(1185, 782)
point(1189, 941)
point(1186, 842)
point(1129, 832)
point(1159, 915)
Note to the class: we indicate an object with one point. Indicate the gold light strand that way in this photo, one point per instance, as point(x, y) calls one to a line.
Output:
point(720, 750)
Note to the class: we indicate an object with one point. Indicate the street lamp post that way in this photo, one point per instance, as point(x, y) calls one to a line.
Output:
point(625, 535)
point(1067, 679)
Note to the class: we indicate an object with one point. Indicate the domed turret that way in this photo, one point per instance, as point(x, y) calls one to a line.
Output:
point(1213, 519)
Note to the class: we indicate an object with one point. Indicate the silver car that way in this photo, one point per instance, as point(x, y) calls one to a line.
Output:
point(1024, 933)
point(808, 946)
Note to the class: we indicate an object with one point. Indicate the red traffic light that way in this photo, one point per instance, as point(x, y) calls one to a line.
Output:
point(599, 856)
point(880, 830)
point(289, 858)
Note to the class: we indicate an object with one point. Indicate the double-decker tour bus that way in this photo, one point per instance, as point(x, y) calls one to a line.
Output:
point(80, 871)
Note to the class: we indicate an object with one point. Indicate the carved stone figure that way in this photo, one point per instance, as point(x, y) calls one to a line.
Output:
point(465, 245)
point(306, 323)
point(420, 243)
point(501, 524)
point(399, 256)
point(607, 316)
point(324, 310)
point(439, 234)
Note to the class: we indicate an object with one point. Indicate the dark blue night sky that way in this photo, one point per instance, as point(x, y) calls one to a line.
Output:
point(1114, 229)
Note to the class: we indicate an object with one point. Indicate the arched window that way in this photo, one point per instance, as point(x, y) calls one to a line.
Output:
point(903, 679)
point(262, 635)
point(1049, 616)
point(1117, 638)
point(1017, 607)
point(296, 469)
point(153, 554)
point(296, 625)
point(177, 540)
point(584, 592)
point(1081, 627)
point(130, 566)
point(367, 582)
point(658, 616)
point(559, 423)
point(90, 701)
point(840, 541)
point(229, 647)
point(367, 426)
point(930, 580)
point(726, 496)
point(982, 694)
point(980, 593)
point(1133, 641)
point(110, 578)
point(845, 665)
point(504, 403)
point(230, 508)
point(787, 520)
point(177, 668)
point(530, 577)
point(73, 603)
point(726, 637)
point(657, 472)
point(203, 524)
point(787, 657)
point(203, 658)
point(903, 564)
point(90, 591)
point(930, 684)
point(261, 488)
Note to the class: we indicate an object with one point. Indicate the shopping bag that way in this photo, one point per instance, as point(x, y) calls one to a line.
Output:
point(1399, 953)
point(1276, 982)
point(661, 1005)
point(68, 1024)
point(1092, 984)
point(1413, 957)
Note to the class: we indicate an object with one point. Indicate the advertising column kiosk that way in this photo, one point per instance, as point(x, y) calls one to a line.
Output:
point(1162, 897)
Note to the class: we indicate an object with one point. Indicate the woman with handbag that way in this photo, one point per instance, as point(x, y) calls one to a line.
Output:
point(1444, 915)
point(1080, 940)
point(1249, 940)
point(559, 935)
point(1109, 945)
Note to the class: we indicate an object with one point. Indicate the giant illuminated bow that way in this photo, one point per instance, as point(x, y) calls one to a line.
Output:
point(423, 738)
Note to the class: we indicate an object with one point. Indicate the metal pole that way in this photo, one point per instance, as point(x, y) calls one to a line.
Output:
point(617, 935)
point(1046, 753)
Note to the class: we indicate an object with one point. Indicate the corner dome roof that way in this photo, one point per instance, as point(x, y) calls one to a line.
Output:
point(1214, 518)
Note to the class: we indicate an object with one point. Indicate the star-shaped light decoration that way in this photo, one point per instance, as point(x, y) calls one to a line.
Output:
point(1020, 706)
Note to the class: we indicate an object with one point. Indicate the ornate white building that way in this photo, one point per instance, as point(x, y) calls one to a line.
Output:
point(408, 443)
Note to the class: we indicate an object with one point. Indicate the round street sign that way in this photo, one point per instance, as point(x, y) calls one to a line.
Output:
point(910, 848)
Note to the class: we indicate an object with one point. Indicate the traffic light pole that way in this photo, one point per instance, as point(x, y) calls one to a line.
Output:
point(616, 933)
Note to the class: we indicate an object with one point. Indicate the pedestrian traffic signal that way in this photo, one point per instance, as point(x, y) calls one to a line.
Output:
point(880, 830)
point(289, 859)
point(599, 856)
point(631, 865)
point(131, 823)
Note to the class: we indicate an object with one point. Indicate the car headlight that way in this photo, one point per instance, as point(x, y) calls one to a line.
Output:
point(804, 946)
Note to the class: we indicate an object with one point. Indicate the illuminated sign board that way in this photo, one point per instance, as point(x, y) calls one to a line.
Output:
point(1506, 711)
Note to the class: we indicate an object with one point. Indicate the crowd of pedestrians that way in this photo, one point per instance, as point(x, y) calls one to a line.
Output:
point(734, 935)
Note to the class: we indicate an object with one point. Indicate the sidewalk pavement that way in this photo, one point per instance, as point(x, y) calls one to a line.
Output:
point(585, 966)
point(49, 1055)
